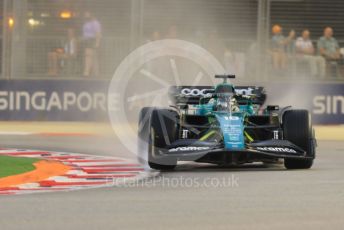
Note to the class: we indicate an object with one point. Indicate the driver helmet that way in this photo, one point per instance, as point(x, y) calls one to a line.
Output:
point(225, 90)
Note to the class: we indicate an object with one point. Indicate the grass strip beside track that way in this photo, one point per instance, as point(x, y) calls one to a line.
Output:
point(15, 165)
point(43, 170)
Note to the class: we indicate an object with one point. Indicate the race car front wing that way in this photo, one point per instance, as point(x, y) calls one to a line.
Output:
point(202, 151)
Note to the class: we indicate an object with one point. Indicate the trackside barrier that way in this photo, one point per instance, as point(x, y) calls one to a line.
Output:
point(87, 100)
point(324, 100)
point(54, 100)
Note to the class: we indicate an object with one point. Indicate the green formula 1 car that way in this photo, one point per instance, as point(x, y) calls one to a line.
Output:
point(224, 125)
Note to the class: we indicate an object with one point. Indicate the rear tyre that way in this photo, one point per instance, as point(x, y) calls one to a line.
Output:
point(157, 129)
point(298, 129)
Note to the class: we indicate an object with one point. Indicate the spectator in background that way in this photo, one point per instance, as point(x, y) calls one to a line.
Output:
point(279, 46)
point(172, 32)
point(306, 52)
point(55, 57)
point(64, 58)
point(91, 34)
point(71, 52)
point(155, 35)
point(328, 46)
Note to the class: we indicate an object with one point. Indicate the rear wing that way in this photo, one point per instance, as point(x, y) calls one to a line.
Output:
point(191, 95)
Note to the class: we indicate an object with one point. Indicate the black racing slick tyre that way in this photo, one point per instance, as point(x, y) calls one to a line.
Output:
point(297, 128)
point(157, 129)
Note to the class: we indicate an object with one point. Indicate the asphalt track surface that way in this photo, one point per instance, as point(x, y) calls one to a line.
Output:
point(259, 197)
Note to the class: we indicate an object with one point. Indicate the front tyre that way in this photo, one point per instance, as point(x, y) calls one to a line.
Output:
point(297, 128)
point(157, 129)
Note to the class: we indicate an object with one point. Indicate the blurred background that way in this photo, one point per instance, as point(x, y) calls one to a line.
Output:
point(75, 46)
point(237, 32)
